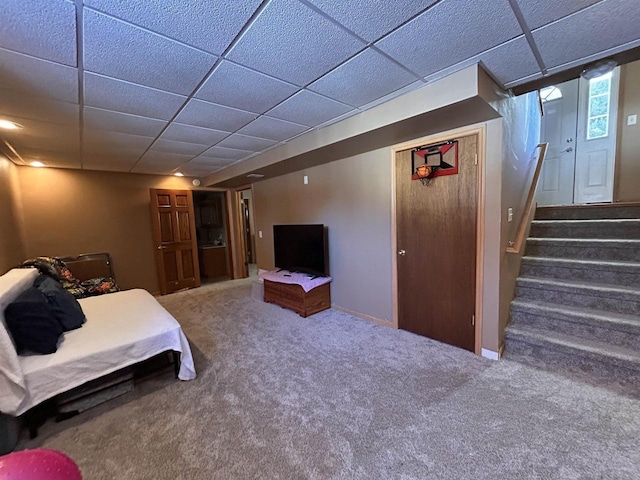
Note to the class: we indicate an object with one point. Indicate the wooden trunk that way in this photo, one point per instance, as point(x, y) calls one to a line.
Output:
point(295, 298)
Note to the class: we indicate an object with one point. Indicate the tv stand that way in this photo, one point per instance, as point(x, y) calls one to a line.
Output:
point(288, 292)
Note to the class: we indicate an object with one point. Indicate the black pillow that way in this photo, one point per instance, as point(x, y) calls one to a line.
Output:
point(65, 307)
point(32, 323)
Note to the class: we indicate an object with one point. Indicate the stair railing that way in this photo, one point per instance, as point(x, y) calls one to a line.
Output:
point(516, 245)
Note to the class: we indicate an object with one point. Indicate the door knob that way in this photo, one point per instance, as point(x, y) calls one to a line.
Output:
point(402, 253)
point(160, 247)
point(567, 150)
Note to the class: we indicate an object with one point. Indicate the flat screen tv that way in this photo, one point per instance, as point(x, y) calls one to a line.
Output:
point(301, 248)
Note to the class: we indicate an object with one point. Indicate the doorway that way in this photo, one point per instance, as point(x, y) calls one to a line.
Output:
point(247, 230)
point(212, 236)
point(436, 239)
point(580, 126)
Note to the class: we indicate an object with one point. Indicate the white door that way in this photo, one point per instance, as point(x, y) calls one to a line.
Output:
point(559, 124)
point(596, 141)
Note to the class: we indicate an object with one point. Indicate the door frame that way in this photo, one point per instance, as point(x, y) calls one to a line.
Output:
point(241, 256)
point(231, 244)
point(480, 131)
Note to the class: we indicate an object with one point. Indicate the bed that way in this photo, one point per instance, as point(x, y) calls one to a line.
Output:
point(122, 329)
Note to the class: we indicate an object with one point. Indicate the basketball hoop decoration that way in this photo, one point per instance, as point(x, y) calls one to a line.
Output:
point(434, 161)
point(424, 173)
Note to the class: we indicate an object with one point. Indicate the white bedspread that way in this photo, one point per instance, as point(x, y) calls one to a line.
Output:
point(12, 384)
point(122, 329)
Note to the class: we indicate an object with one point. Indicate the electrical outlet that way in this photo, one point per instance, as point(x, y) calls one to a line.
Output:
point(305, 180)
point(510, 215)
point(632, 119)
point(260, 233)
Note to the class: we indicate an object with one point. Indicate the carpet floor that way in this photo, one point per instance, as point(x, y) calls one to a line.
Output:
point(332, 397)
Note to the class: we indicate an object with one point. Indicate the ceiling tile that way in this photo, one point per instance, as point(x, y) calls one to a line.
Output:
point(160, 162)
point(183, 148)
point(101, 141)
point(117, 95)
point(189, 22)
point(41, 134)
point(210, 115)
point(52, 158)
point(192, 134)
point(142, 57)
point(99, 119)
point(198, 172)
point(290, 41)
point(364, 78)
point(226, 153)
point(204, 160)
point(540, 12)
point(42, 78)
point(442, 36)
point(243, 88)
point(245, 142)
point(42, 28)
point(605, 25)
point(116, 161)
point(510, 61)
point(373, 18)
point(18, 105)
point(192, 169)
point(308, 108)
point(273, 129)
point(507, 63)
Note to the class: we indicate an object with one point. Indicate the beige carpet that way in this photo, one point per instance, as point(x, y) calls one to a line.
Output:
point(333, 397)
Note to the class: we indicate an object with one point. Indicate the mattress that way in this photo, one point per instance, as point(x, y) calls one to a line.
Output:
point(122, 329)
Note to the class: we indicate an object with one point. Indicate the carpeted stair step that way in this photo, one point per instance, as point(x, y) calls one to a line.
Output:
point(587, 249)
point(612, 298)
point(607, 327)
point(600, 271)
point(599, 362)
point(604, 228)
point(583, 212)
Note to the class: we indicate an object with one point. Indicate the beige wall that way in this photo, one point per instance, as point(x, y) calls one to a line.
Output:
point(69, 212)
point(11, 234)
point(352, 197)
point(628, 149)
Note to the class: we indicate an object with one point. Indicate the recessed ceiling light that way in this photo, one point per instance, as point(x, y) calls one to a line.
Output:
point(8, 125)
point(178, 174)
point(37, 164)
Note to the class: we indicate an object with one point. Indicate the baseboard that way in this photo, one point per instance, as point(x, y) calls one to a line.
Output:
point(364, 316)
point(490, 354)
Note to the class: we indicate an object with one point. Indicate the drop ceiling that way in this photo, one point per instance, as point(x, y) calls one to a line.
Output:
point(197, 86)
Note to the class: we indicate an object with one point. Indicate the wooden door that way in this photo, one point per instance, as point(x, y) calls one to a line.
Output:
point(436, 239)
point(174, 234)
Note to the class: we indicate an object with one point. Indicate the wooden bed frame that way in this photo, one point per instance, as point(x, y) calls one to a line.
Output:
point(90, 265)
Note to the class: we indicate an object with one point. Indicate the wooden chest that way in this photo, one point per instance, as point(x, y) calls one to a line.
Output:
point(295, 298)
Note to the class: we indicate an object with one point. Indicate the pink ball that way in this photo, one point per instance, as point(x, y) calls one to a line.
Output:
point(39, 464)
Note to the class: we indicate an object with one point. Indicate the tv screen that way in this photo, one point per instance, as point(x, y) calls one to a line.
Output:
point(300, 248)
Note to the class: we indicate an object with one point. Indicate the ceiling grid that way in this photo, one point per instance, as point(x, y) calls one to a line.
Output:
point(178, 85)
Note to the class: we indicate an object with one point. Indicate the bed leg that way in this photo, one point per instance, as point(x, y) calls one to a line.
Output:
point(176, 362)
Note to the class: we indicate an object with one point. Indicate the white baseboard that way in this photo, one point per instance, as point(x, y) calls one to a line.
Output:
point(490, 354)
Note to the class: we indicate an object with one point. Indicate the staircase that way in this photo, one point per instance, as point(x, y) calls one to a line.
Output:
point(577, 305)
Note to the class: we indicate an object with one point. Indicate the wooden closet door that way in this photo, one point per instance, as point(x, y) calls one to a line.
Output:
point(174, 234)
point(436, 239)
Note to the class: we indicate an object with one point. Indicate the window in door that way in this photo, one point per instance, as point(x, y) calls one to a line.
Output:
point(598, 107)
